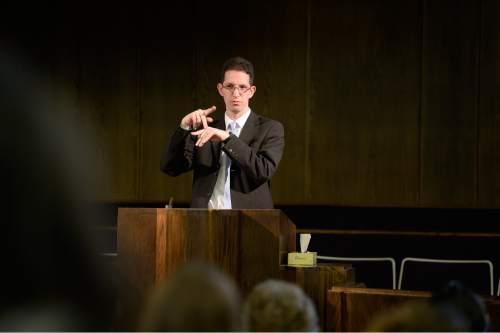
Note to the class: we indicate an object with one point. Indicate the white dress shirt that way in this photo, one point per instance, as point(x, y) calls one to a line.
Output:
point(217, 199)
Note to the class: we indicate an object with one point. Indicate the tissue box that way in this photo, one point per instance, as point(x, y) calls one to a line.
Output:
point(307, 259)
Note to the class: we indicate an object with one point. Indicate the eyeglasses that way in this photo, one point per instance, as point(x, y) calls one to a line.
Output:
point(241, 89)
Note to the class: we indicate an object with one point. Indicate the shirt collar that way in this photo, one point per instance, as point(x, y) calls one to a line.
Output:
point(240, 121)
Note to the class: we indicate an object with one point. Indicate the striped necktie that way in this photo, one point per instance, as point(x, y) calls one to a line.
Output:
point(233, 128)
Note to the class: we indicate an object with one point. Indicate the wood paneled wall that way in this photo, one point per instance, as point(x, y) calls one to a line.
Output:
point(384, 103)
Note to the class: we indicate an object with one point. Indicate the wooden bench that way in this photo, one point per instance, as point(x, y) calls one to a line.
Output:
point(351, 309)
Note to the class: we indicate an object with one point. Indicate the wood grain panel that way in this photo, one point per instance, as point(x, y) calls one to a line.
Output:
point(166, 94)
point(364, 102)
point(449, 103)
point(108, 97)
point(64, 71)
point(64, 111)
point(316, 281)
point(216, 38)
point(352, 309)
point(489, 107)
point(247, 244)
point(335, 310)
point(236, 241)
point(384, 103)
point(181, 59)
point(262, 235)
point(136, 261)
point(200, 235)
point(277, 47)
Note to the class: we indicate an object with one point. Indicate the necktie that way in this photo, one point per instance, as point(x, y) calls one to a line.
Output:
point(233, 128)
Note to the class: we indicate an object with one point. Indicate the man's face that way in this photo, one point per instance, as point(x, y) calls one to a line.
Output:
point(236, 91)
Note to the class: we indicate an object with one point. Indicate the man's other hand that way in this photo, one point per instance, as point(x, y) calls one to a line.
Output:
point(210, 134)
point(197, 119)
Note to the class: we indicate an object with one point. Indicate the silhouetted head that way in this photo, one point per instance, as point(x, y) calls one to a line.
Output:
point(49, 276)
point(196, 298)
point(275, 305)
point(455, 296)
point(416, 316)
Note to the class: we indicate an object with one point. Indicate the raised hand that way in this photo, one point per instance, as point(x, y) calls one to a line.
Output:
point(198, 118)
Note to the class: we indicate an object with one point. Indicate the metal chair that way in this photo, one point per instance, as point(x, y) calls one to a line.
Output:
point(498, 291)
point(488, 263)
point(353, 259)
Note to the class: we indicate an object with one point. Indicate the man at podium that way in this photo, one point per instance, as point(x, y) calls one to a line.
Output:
point(233, 158)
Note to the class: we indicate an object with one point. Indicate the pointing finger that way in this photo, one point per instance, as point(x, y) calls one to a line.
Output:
point(198, 119)
point(209, 110)
point(204, 121)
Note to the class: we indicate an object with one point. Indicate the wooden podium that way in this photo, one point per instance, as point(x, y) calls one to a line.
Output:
point(250, 245)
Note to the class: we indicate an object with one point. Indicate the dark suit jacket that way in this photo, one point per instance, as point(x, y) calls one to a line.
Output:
point(255, 156)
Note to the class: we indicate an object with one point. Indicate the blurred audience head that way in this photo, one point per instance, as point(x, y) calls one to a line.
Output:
point(196, 298)
point(451, 308)
point(275, 305)
point(455, 297)
point(49, 279)
point(415, 316)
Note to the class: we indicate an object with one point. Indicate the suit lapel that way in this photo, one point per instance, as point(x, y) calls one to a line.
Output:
point(246, 135)
point(248, 131)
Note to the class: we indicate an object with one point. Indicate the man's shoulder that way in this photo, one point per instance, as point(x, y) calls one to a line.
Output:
point(265, 121)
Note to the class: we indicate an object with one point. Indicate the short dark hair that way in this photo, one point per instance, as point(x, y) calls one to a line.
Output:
point(238, 64)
